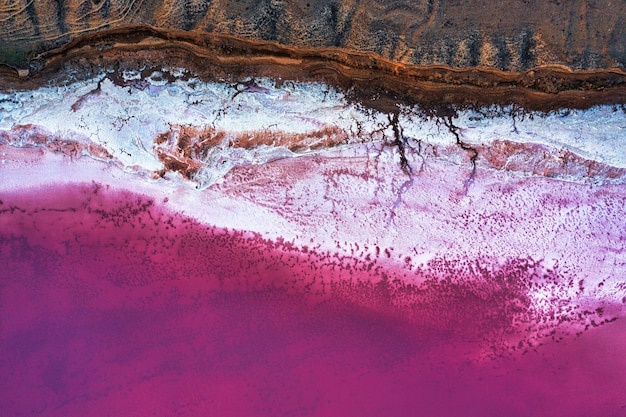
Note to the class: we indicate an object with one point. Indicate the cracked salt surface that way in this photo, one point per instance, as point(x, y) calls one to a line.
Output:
point(126, 119)
point(597, 134)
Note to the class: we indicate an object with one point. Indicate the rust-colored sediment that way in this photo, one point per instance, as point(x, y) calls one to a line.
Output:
point(372, 80)
point(184, 149)
point(29, 135)
point(544, 161)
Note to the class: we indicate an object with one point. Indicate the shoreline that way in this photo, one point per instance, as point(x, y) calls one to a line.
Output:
point(369, 79)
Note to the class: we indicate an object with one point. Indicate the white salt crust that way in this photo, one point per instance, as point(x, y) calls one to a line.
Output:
point(350, 199)
point(126, 120)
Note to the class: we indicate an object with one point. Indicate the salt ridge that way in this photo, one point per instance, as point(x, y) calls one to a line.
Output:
point(126, 119)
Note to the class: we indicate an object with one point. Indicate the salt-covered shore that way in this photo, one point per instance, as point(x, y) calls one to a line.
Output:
point(493, 184)
point(472, 261)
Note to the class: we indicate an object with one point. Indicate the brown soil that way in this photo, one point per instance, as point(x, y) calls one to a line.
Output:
point(372, 80)
point(510, 35)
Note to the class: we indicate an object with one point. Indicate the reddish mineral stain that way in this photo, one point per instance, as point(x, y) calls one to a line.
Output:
point(112, 306)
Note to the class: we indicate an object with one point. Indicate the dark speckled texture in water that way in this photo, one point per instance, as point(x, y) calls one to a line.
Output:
point(112, 306)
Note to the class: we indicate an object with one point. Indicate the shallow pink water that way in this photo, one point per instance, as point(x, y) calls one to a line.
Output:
point(111, 306)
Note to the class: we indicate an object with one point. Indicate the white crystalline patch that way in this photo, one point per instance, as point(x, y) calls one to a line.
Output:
point(595, 134)
point(127, 119)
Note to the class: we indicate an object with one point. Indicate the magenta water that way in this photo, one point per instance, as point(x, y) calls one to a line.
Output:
point(111, 305)
point(192, 249)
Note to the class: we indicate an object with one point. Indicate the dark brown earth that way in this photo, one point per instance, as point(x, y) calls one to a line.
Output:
point(368, 78)
point(510, 35)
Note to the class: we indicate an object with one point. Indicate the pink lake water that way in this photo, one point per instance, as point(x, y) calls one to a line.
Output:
point(187, 249)
point(111, 305)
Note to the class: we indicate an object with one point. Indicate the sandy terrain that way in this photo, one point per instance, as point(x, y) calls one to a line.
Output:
point(508, 34)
